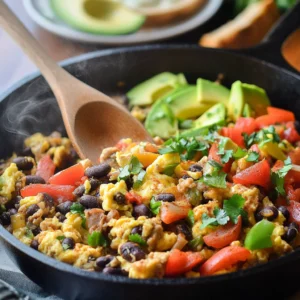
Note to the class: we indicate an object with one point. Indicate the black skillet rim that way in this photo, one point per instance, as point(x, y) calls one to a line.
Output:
point(63, 267)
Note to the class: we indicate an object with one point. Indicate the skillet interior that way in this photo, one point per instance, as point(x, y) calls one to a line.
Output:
point(24, 111)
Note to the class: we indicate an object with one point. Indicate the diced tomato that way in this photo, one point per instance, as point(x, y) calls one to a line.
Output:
point(171, 212)
point(235, 134)
point(132, 197)
point(291, 134)
point(247, 125)
point(255, 148)
point(60, 193)
point(278, 165)
point(275, 115)
point(258, 174)
point(294, 210)
point(213, 155)
point(292, 193)
point(224, 235)
point(295, 156)
point(69, 176)
point(45, 167)
point(121, 145)
point(180, 262)
point(224, 259)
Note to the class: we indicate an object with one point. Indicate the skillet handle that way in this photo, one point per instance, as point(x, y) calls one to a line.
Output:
point(270, 48)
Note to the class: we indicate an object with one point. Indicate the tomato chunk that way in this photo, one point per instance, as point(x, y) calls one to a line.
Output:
point(45, 167)
point(247, 125)
point(295, 156)
point(275, 115)
point(235, 134)
point(213, 155)
point(291, 134)
point(258, 174)
point(60, 193)
point(294, 210)
point(224, 235)
point(224, 259)
point(69, 176)
point(172, 212)
point(133, 198)
point(284, 114)
point(180, 262)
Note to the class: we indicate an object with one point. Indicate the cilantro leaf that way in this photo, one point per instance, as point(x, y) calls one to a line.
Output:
point(253, 156)
point(124, 174)
point(136, 238)
point(194, 243)
point(77, 208)
point(135, 166)
point(97, 239)
point(226, 157)
point(287, 166)
point(29, 233)
point(221, 216)
point(215, 164)
point(234, 208)
point(191, 218)
point(216, 179)
point(277, 177)
point(139, 180)
point(169, 170)
point(61, 237)
point(66, 246)
point(249, 139)
point(155, 206)
point(206, 221)
point(239, 153)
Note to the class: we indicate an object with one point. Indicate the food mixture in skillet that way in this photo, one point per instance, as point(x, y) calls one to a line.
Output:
point(221, 196)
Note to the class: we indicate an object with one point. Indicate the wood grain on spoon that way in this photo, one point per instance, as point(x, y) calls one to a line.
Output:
point(93, 120)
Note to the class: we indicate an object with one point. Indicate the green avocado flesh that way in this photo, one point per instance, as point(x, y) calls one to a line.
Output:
point(98, 17)
point(154, 88)
point(211, 92)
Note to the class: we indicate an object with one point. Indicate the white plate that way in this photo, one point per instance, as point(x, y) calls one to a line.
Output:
point(40, 11)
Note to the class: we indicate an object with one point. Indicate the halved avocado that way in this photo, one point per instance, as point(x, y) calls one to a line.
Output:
point(236, 101)
point(247, 111)
point(211, 92)
point(215, 115)
point(184, 103)
point(154, 88)
point(98, 17)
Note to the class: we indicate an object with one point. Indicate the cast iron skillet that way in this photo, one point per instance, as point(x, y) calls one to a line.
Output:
point(29, 107)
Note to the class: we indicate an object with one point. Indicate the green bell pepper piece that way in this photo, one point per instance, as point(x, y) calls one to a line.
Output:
point(259, 236)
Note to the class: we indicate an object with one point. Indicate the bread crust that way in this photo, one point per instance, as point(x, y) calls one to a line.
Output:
point(246, 30)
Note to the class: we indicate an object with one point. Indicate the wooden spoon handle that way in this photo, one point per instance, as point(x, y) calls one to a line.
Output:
point(48, 67)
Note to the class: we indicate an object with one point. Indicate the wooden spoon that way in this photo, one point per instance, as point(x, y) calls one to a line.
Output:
point(93, 120)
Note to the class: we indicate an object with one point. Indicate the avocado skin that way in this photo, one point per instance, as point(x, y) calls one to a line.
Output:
point(73, 12)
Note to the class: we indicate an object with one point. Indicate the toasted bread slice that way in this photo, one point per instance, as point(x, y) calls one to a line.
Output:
point(246, 30)
point(157, 16)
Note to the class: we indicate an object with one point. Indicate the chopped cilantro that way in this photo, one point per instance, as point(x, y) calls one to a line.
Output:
point(234, 208)
point(29, 233)
point(135, 166)
point(225, 154)
point(77, 208)
point(66, 246)
point(61, 237)
point(194, 243)
point(277, 177)
point(216, 179)
point(253, 156)
point(215, 164)
point(239, 153)
point(191, 218)
point(169, 170)
point(136, 238)
point(139, 180)
point(220, 218)
point(97, 239)
point(249, 139)
point(124, 174)
point(155, 206)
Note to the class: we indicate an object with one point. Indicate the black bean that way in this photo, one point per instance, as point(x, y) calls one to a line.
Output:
point(33, 179)
point(137, 230)
point(34, 244)
point(269, 212)
point(25, 152)
point(129, 183)
point(68, 243)
point(61, 218)
point(114, 271)
point(183, 228)
point(103, 261)
point(23, 163)
point(49, 201)
point(166, 197)
point(141, 210)
point(120, 198)
point(94, 183)
point(89, 201)
point(16, 201)
point(79, 191)
point(12, 211)
point(297, 126)
point(98, 171)
point(31, 210)
point(132, 252)
point(195, 168)
point(186, 176)
point(5, 218)
point(64, 207)
point(291, 233)
point(36, 230)
point(284, 211)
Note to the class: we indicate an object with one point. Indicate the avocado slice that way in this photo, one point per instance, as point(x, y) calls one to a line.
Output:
point(236, 101)
point(256, 97)
point(153, 89)
point(194, 132)
point(98, 17)
point(214, 115)
point(184, 103)
point(247, 111)
point(211, 92)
